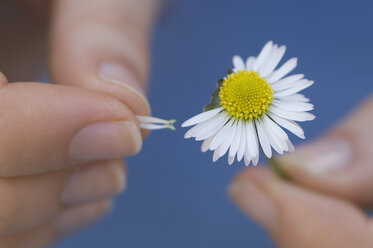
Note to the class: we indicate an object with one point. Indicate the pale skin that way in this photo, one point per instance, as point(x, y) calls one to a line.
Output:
point(58, 139)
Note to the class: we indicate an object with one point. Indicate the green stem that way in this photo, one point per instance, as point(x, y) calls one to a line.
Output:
point(277, 169)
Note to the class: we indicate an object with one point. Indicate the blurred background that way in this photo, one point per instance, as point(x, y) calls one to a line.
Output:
point(176, 196)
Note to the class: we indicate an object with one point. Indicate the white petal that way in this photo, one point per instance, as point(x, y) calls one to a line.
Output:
point(289, 125)
point(291, 115)
point(275, 142)
point(215, 157)
point(264, 142)
point(201, 117)
point(283, 70)
point(231, 159)
point(294, 98)
point(211, 127)
point(151, 119)
point(285, 82)
point(236, 140)
point(273, 62)
point(242, 146)
point(268, 59)
point(150, 126)
point(275, 128)
point(293, 106)
point(250, 63)
point(227, 143)
point(255, 160)
point(290, 146)
point(206, 143)
point(206, 126)
point(247, 161)
point(263, 55)
point(221, 136)
point(252, 139)
point(238, 63)
point(303, 84)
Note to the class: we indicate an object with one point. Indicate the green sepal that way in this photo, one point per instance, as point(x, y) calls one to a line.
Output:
point(215, 100)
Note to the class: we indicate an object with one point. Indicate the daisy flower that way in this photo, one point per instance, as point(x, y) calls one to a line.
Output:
point(154, 123)
point(250, 108)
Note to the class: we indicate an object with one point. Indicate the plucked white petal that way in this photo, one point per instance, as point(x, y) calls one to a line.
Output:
point(237, 139)
point(150, 126)
point(293, 106)
point(291, 115)
point(289, 125)
point(283, 70)
point(204, 116)
point(150, 119)
point(252, 139)
point(242, 146)
point(303, 84)
point(263, 139)
point(250, 63)
point(273, 62)
point(238, 63)
point(263, 55)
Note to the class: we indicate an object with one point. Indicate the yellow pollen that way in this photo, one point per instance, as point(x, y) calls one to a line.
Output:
point(245, 95)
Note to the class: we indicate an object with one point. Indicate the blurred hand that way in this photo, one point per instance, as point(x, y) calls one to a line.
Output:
point(61, 146)
point(331, 178)
point(60, 159)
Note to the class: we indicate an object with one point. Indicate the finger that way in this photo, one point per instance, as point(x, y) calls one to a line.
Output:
point(46, 128)
point(69, 221)
point(3, 79)
point(340, 162)
point(296, 217)
point(102, 45)
point(29, 201)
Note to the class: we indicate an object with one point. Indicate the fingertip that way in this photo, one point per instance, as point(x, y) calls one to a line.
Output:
point(252, 199)
point(3, 79)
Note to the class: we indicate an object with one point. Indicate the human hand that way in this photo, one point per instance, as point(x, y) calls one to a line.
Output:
point(60, 159)
point(101, 45)
point(330, 180)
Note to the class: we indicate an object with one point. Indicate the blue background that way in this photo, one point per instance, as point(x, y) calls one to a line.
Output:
point(176, 197)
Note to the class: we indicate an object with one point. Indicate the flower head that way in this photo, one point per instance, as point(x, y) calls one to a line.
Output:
point(249, 107)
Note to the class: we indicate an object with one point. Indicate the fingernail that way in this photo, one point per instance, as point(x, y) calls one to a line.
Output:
point(94, 182)
point(78, 217)
point(319, 157)
point(106, 140)
point(254, 202)
point(118, 74)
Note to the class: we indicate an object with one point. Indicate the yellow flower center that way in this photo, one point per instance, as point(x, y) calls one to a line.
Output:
point(245, 95)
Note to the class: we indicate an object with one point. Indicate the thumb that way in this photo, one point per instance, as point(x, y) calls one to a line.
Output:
point(102, 45)
point(340, 162)
point(296, 217)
